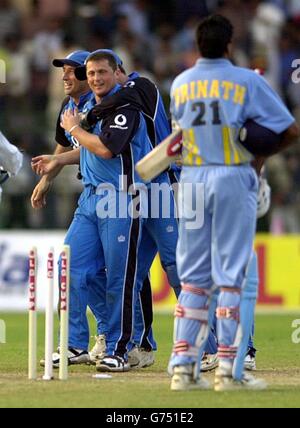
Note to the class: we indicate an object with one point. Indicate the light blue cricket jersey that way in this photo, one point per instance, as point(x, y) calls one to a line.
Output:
point(212, 100)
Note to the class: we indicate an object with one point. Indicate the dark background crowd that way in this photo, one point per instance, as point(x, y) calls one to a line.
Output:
point(153, 37)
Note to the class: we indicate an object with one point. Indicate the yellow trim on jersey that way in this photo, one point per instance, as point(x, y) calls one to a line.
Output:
point(233, 154)
point(191, 153)
point(226, 144)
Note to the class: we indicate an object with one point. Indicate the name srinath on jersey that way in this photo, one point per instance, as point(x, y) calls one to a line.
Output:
point(212, 100)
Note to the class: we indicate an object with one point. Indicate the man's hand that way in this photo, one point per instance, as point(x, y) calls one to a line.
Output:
point(45, 164)
point(70, 119)
point(38, 197)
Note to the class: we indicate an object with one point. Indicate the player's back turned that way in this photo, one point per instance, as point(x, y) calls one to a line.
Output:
point(213, 99)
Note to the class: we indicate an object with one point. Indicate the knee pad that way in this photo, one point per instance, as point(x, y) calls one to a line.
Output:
point(192, 324)
point(228, 316)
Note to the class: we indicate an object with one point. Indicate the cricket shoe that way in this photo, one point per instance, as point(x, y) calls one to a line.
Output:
point(183, 379)
point(112, 363)
point(225, 382)
point(139, 358)
point(209, 362)
point(250, 363)
point(75, 356)
point(98, 351)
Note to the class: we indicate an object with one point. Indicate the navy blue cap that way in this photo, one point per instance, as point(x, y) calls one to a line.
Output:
point(80, 72)
point(74, 59)
point(110, 52)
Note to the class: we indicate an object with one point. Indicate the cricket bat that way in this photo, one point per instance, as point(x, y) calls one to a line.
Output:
point(160, 158)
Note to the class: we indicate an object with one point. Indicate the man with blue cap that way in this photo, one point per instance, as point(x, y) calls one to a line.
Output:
point(106, 155)
point(74, 89)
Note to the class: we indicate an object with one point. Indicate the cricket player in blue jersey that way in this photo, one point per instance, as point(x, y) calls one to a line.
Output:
point(77, 94)
point(160, 234)
point(107, 158)
point(152, 107)
point(75, 91)
point(210, 102)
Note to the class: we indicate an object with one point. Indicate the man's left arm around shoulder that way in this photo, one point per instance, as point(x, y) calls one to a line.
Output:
point(117, 131)
point(139, 93)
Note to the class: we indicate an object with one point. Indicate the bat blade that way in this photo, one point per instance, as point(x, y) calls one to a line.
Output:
point(160, 158)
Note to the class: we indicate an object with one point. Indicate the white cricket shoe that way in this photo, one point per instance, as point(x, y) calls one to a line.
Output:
point(209, 362)
point(75, 356)
point(112, 363)
point(98, 351)
point(250, 363)
point(183, 379)
point(139, 358)
point(227, 383)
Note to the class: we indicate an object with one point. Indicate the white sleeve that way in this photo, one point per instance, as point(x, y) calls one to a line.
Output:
point(11, 158)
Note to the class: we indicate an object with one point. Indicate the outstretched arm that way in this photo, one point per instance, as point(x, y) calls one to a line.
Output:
point(46, 164)
point(38, 197)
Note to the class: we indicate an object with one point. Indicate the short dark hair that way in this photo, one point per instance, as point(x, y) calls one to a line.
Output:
point(122, 69)
point(99, 56)
point(213, 36)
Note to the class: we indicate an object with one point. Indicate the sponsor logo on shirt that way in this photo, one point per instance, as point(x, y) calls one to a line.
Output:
point(120, 122)
point(75, 143)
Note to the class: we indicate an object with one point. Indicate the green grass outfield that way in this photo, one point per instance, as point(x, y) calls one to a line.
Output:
point(278, 362)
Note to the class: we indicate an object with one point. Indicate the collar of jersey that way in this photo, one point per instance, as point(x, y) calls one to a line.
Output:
point(213, 62)
point(133, 75)
point(92, 100)
point(113, 91)
point(83, 99)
